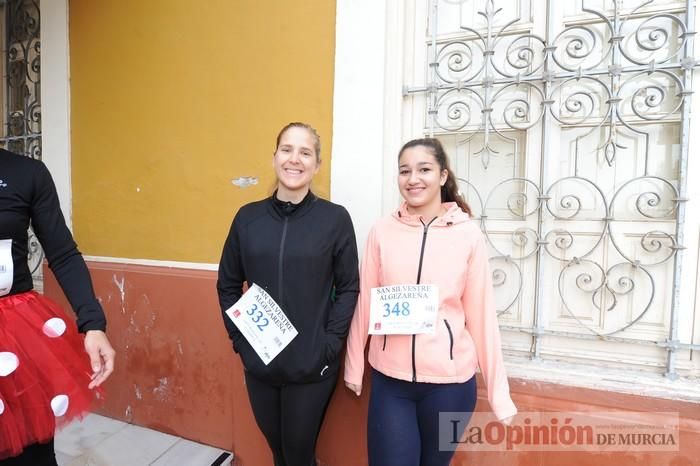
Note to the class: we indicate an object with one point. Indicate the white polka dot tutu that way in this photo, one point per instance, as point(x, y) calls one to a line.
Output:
point(44, 371)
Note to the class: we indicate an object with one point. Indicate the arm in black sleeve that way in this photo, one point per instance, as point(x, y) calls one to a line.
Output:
point(65, 261)
point(347, 286)
point(229, 285)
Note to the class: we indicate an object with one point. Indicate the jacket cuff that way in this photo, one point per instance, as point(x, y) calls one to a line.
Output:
point(333, 346)
point(504, 409)
point(100, 324)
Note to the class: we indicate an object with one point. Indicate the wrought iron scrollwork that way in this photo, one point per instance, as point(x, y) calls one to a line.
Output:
point(607, 215)
point(609, 291)
point(507, 279)
point(22, 120)
point(36, 254)
point(22, 112)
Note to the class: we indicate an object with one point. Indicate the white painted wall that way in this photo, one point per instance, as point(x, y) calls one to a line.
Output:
point(55, 98)
point(357, 173)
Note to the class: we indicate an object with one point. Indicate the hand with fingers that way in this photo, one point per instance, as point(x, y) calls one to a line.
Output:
point(101, 354)
point(357, 389)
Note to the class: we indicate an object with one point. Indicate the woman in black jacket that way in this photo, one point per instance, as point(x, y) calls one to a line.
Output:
point(301, 250)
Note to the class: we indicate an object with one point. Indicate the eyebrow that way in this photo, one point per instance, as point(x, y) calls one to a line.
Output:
point(405, 165)
point(302, 147)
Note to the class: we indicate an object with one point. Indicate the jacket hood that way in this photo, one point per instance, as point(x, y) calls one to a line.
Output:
point(452, 216)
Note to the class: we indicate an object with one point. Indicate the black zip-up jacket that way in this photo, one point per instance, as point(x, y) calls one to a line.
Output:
point(305, 257)
point(28, 194)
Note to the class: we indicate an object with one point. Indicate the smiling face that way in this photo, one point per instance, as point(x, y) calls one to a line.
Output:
point(420, 181)
point(295, 162)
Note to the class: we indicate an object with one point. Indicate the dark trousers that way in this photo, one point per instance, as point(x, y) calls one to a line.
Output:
point(290, 417)
point(39, 454)
point(402, 425)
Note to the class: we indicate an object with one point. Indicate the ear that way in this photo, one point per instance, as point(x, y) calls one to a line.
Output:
point(443, 178)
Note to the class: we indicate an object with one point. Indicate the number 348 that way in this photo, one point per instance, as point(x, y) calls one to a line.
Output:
point(398, 309)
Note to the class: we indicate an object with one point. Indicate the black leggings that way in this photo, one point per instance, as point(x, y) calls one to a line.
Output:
point(39, 454)
point(290, 417)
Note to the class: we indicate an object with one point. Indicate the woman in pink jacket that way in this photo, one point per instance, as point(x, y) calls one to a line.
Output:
point(429, 240)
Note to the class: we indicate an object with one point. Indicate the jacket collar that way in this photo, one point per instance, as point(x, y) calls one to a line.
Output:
point(284, 209)
point(452, 215)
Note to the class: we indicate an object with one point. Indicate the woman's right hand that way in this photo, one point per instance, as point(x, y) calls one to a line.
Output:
point(101, 354)
point(357, 389)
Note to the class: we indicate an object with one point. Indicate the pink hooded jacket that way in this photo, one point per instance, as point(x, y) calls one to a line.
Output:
point(467, 336)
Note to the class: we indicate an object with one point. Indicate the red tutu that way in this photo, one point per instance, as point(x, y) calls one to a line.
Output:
point(44, 371)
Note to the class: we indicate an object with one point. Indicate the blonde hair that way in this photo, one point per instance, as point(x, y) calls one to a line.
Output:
point(307, 127)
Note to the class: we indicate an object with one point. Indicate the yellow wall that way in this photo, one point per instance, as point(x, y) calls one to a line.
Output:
point(171, 100)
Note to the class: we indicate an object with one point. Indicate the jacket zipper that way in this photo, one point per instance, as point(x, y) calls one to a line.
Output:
point(449, 332)
point(281, 261)
point(420, 270)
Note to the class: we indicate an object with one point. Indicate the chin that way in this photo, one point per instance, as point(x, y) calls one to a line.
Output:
point(294, 186)
point(415, 205)
point(415, 201)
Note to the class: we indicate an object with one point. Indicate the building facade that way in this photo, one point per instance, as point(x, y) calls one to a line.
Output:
point(568, 123)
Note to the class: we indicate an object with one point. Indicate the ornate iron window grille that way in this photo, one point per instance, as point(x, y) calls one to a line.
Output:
point(608, 73)
point(21, 115)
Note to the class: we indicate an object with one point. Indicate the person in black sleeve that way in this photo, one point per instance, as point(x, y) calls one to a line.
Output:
point(45, 378)
point(301, 250)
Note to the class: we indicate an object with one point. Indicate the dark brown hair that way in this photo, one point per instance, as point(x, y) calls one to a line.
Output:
point(307, 127)
point(449, 191)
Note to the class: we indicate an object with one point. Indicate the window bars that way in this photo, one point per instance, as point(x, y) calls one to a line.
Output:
point(591, 107)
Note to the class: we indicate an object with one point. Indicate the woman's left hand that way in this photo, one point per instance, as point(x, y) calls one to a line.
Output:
point(101, 355)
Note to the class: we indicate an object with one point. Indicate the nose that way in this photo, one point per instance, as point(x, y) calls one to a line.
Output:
point(413, 177)
point(294, 156)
